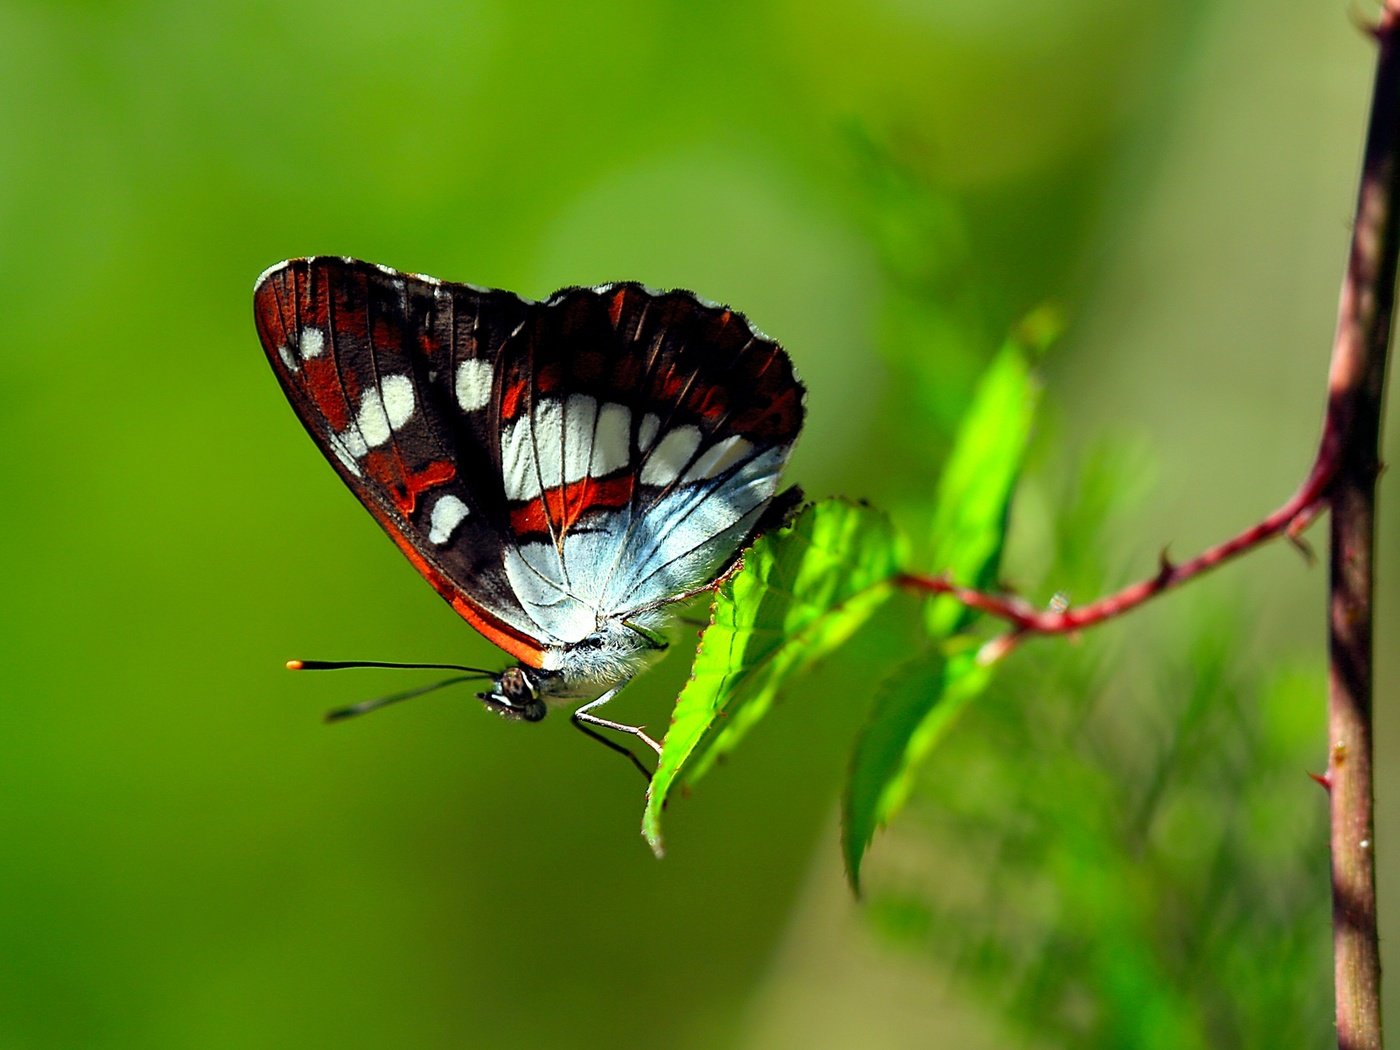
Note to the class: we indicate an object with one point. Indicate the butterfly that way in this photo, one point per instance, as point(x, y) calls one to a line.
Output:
point(562, 472)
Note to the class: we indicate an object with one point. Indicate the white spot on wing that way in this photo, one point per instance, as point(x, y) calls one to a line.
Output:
point(580, 414)
point(646, 433)
point(549, 443)
point(666, 461)
point(448, 513)
point(354, 443)
point(371, 421)
point(311, 344)
point(383, 409)
point(288, 360)
point(473, 384)
point(398, 399)
point(611, 440)
point(518, 461)
point(718, 458)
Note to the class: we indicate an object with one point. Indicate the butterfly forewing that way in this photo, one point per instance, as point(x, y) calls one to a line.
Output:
point(362, 356)
point(544, 465)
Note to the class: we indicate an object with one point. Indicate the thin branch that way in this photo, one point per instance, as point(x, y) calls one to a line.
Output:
point(1291, 519)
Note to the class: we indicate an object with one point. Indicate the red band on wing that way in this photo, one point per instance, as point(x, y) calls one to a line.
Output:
point(563, 506)
point(510, 400)
point(498, 634)
point(403, 484)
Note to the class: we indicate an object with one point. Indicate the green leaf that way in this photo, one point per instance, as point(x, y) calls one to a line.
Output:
point(974, 491)
point(968, 533)
point(913, 712)
point(801, 593)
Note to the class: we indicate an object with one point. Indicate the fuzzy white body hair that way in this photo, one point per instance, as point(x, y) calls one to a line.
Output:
point(615, 652)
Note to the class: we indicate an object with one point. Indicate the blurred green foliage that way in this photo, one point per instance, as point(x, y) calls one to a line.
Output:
point(1138, 884)
point(1119, 847)
point(968, 514)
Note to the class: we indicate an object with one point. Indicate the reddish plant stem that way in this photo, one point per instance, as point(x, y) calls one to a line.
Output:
point(1291, 518)
point(1356, 385)
point(1343, 480)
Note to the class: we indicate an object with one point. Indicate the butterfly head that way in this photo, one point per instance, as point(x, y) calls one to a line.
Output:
point(515, 695)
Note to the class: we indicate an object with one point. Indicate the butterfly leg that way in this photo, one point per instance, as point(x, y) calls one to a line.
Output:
point(613, 745)
point(584, 715)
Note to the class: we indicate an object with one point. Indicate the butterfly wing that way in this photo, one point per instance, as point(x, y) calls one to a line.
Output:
point(388, 372)
point(643, 434)
point(544, 465)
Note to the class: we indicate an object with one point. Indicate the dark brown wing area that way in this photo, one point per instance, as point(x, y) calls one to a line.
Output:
point(665, 352)
point(366, 358)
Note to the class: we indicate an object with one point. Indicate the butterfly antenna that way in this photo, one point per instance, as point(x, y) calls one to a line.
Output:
point(340, 665)
point(365, 706)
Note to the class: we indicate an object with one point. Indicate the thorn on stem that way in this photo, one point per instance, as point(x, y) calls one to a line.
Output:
point(1165, 566)
point(1300, 522)
point(1303, 547)
point(1367, 25)
point(1324, 779)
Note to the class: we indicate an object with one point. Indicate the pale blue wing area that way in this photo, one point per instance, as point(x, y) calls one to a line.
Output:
point(685, 539)
point(640, 557)
point(562, 613)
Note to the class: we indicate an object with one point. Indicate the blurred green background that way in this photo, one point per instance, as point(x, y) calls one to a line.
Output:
point(189, 858)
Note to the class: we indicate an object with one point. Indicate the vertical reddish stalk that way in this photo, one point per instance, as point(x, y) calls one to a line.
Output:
point(1355, 390)
point(1355, 946)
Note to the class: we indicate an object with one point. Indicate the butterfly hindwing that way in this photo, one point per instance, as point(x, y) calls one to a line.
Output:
point(644, 445)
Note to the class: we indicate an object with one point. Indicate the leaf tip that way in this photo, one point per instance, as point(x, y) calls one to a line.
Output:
point(853, 881)
point(651, 830)
point(854, 854)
